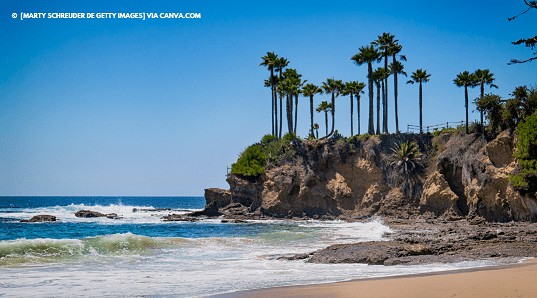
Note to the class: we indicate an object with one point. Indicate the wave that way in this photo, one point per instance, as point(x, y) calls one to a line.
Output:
point(138, 214)
point(23, 251)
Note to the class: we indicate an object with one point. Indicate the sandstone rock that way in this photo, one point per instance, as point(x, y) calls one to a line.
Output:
point(437, 196)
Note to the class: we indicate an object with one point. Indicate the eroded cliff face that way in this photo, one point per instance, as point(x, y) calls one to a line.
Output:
point(463, 176)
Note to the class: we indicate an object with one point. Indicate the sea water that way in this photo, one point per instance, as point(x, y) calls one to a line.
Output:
point(141, 255)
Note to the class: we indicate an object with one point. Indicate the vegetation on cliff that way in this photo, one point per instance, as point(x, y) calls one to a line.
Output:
point(525, 176)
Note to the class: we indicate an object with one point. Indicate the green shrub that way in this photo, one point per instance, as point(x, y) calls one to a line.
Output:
point(268, 139)
point(251, 163)
point(526, 156)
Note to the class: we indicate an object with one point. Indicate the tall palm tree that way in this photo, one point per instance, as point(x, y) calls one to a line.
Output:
point(484, 77)
point(310, 90)
point(353, 88)
point(383, 43)
point(465, 79)
point(420, 76)
point(269, 61)
point(325, 107)
point(279, 65)
point(359, 89)
point(333, 87)
point(397, 68)
point(378, 78)
point(368, 54)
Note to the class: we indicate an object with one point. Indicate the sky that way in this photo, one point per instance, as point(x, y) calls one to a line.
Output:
point(161, 107)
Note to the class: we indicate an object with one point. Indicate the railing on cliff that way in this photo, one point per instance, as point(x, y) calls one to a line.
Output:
point(413, 128)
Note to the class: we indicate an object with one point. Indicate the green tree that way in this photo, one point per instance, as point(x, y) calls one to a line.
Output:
point(333, 87)
point(420, 76)
point(310, 90)
point(290, 87)
point(384, 43)
point(269, 61)
point(483, 77)
point(367, 55)
point(527, 42)
point(251, 162)
point(326, 108)
point(491, 105)
point(465, 79)
point(525, 176)
point(397, 69)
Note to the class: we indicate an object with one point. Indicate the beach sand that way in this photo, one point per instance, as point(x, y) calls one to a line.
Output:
point(518, 280)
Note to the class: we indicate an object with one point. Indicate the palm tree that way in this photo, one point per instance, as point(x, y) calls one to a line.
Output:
point(378, 78)
point(290, 87)
point(310, 90)
point(368, 54)
point(279, 65)
point(333, 87)
point(397, 69)
point(484, 77)
point(354, 88)
point(420, 76)
point(269, 61)
point(383, 43)
point(465, 79)
point(325, 107)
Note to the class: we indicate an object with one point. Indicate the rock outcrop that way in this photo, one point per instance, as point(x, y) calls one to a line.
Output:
point(93, 214)
point(463, 176)
point(41, 218)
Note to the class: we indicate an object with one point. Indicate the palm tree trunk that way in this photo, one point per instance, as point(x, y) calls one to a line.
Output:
point(296, 112)
point(378, 107)
point(358, 110)
point(333, 113)
point(326, 121)
point(289, 114)
point(466, 106)
point(481, 112)
point(384, 111)
point(371, 124)
point(395, 94)
point(281, 117)
point(311, 117)
point(421, 109)
point(352, 113)
point(385, 118)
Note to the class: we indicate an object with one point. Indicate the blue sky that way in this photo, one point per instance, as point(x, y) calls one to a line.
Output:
point(162, 107)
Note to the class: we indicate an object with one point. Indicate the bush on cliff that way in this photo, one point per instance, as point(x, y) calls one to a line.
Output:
point(251, 163)
point(525, 176)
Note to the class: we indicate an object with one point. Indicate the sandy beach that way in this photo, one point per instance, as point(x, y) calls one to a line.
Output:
point(518, 280)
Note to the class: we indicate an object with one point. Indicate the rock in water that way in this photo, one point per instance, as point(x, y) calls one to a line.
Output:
point(92, 214)
point(41, 218)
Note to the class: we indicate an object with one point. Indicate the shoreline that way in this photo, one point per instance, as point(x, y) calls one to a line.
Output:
point(509, 280)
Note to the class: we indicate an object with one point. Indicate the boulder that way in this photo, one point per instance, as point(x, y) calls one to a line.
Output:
point(93, 214)
point(41, 218)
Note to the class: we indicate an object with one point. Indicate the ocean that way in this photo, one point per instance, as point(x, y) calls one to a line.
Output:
point(141, 255)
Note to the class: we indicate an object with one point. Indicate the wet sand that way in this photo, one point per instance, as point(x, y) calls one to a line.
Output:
point(518, 280)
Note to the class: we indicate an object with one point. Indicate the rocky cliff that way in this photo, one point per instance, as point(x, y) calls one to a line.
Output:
point(462, 176)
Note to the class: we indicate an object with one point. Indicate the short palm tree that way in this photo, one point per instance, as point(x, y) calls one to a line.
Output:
point(326, 108)
point(406, 164)
point(316, 128)
point(367, 55)
point(333, 87)
point(269, 61)
point(420, 76)
point(310, 90)
point(484, 77)
point(354, 88)
point(465, 79)
point(359, 90)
